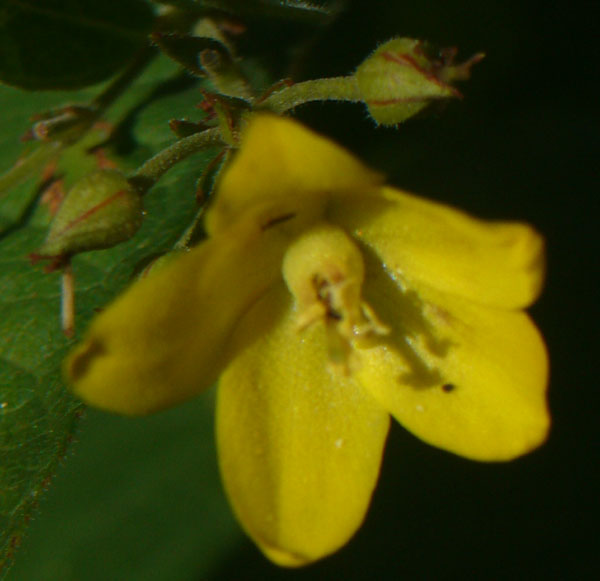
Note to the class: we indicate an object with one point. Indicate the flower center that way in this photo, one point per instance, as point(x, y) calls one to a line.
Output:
point(324, 271)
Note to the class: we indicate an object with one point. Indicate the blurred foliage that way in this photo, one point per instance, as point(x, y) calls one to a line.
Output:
point(37, 413)
point(68, 44)
point(286, 9)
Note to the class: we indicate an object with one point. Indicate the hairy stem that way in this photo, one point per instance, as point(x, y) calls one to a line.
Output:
point(153, 169)
point(333, 89)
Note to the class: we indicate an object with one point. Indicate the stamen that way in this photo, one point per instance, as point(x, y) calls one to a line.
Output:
point(324, 271)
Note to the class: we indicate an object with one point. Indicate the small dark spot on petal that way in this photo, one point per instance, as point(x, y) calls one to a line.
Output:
point(81, 363)
point(334, 315)
point(277, 220)
point(448, 387)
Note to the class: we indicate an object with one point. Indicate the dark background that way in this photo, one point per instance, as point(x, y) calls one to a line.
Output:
point(519, 146)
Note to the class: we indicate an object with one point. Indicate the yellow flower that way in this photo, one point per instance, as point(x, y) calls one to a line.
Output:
point(323, 301)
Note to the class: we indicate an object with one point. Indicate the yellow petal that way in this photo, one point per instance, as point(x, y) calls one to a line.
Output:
point(463, 377)
point(494, 263)
point(163, 340)
point(299, 447)
point(285, 166)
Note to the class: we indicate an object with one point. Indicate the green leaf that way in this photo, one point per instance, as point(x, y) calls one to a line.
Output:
point(68, 44)
point(37, 413)
point(289, 9)
point(139, 500)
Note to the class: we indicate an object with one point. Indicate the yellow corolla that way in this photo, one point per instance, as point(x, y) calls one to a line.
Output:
point(323, 301)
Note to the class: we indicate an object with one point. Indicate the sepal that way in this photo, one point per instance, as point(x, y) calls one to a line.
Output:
point(99, 211)
point(400, 79)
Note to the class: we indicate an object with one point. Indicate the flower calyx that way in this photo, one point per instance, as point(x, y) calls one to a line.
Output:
point(65, 125)
point(207, 53)
point(400, 79)
point(101, 210)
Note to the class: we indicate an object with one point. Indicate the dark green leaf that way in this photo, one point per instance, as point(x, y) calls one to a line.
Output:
point(139, 500)
point(37, 414)
point(67, 44)
point(289, 9)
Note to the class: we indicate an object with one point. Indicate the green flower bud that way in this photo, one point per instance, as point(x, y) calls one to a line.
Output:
point(99, 211)
point(399, 79)
point(65, 125)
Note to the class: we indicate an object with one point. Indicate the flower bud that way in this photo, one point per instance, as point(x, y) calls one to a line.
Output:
point(64, 125)
point(99, 211)
point(399, 79)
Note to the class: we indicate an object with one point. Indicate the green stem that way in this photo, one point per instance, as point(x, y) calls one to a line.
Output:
point(28, 166)
point(333, 89)
point(36, 160)
point(118, 86)
point(153, 169)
